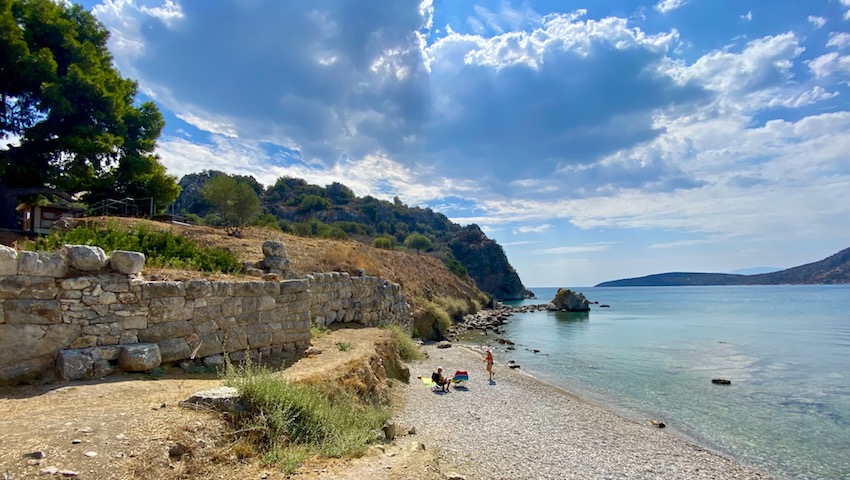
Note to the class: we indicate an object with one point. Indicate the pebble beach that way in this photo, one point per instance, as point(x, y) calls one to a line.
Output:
point(517, 427)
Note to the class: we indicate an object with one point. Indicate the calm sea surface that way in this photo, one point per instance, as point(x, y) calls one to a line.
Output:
point(653, 353)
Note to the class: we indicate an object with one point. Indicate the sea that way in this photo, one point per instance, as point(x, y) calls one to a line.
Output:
point(650, 353)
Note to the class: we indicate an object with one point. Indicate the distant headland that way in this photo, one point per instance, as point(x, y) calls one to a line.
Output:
point(831, 270)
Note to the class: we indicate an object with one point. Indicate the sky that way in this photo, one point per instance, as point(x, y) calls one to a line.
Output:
point(593, 139)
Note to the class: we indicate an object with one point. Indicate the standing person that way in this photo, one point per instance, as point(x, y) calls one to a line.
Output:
point(488, 359)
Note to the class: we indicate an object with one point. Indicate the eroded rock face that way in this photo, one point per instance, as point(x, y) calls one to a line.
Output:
point(486, 262)
point(570, 301)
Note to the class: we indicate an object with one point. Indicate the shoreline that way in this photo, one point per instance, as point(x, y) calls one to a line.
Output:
point(524, 427)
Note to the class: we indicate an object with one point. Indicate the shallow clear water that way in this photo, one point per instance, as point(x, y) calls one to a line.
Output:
point(653, 353)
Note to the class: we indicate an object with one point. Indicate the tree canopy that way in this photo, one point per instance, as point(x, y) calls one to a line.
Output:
point(417, 241)
point(67, 117)
point(236, 202)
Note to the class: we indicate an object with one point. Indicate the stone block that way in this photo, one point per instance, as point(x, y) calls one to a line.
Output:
point(134, 322)
point(128, 337)
point(74, 365)
point(232, 307)
point(109, 340)
point(8, 261)
point(198, 289)
point(21, 286)
point(210, 344)
point(139, 357)
point(128, 263)
point(276, 263)
point(167, 309)
point(222, 289)
point(84, 341)
point(42, 264)
point(226, 323)
point(248, 289)
point(22, 342)
point(257, 340)
point(166, 330)
point(206, 328)
point(235, 340)
point(107, 298)
point(163, 289)
point(174, 349)
point(38, 312)
point(86, 258)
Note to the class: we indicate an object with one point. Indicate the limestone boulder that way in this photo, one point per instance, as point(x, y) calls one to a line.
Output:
point(139, 357)
point(276, 263)
point(86, 258)
point(272, 248)
point(174, 349)
point(43, 264)
point(74, 365)
point(128, 263)
point(8, 261)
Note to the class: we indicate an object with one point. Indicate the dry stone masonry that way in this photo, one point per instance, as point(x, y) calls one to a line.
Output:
point(83, 314)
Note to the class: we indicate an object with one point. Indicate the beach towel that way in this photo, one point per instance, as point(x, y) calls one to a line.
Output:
point(428, 382)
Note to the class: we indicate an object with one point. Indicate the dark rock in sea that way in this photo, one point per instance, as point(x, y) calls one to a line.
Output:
point(605, 306)
point(721, 381)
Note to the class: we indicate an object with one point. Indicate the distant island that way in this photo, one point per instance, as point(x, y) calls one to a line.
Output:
point(831, 270)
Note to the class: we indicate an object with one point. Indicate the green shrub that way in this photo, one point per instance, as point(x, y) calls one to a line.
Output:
point(343, 346)
point(162, 248)
point(335, 233)
point(407, 348)
point(385, 242)
point(319, 332)
point(295, 421)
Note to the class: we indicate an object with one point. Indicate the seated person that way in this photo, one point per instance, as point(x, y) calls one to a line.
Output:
point(440, 380)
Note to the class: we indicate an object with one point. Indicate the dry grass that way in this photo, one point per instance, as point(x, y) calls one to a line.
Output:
point(420, 276)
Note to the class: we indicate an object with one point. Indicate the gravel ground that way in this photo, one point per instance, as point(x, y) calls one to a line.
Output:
point(520, 428)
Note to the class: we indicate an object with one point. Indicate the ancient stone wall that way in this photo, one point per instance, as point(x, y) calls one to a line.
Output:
point(80, 299)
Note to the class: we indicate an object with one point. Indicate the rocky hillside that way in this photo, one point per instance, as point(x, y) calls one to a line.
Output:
point(334, 211)
point(486, 262)
point(832, 270)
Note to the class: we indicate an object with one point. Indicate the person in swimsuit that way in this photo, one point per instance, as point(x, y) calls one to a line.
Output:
point(488, 359)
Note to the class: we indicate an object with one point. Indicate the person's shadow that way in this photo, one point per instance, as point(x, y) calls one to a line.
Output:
point(492, 382)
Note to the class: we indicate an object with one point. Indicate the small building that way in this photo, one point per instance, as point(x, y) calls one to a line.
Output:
point(40, 218)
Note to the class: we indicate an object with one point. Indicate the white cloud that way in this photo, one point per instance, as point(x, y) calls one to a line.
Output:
point(839, 40)
point(829, 64)
point(533, 228)
point(846, 4)
point(817, 22)
point(666, 6)
point(747, 16)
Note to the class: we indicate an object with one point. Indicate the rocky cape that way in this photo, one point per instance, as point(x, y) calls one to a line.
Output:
point(486, 262)
point(832, 270)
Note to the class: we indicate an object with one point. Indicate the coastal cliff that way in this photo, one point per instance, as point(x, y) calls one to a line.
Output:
point(487, 264)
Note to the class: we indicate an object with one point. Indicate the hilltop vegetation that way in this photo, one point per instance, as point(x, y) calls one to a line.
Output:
point(293, 206)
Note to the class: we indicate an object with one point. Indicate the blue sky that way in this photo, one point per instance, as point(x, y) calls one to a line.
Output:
point(593, 139)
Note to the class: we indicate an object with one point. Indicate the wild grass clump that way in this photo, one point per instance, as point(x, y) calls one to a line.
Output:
point(293, 422)
point(317, 331)
point(408, 350)
point(436, 313)
point(162, 248)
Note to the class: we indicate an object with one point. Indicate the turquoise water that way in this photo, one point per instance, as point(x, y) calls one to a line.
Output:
point(653, 353)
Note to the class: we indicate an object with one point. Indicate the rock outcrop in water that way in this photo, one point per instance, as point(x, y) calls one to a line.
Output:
point(570, 301)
